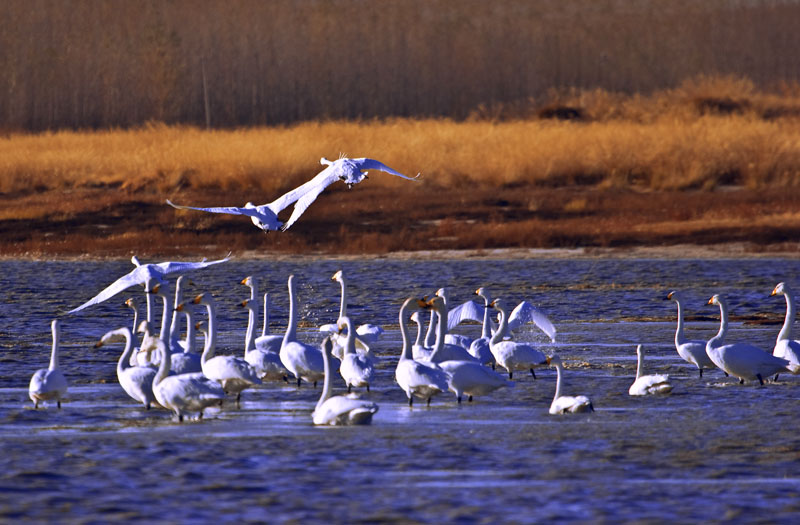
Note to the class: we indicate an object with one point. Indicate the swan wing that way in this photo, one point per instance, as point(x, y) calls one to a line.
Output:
point(469, 311)
point(173, 267)
point(310, 195)
point(254, 211)
point(525, 313)
point(315, 186)
point(372, 164)
point(342, 410)
point(417, 374)
point(138, 275)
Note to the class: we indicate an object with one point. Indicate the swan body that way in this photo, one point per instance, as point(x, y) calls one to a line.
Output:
point(186, 361)
point(143, 273)
point(302, 360)
point(786, 347)
point(48, 384)
point(513, 355)
point(743, 360)
point(266, 341)
point(136, 381)
point(184, 394)
point(266, 363)
point(443, 351)
point(693, 352)
point(566, 404)
point(420, 379)
point(339, 410)
point(472, 379)
point(233, 373)
point(265, 216)
point(481, 347)
point(418, 350)
point(648, 384)
point(356, 370)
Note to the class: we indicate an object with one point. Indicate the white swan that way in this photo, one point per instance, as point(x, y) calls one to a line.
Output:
point(566, 404)
point(418, 350)
point(233, 373)
point(481, 347)
point(452, 339)
point(513, 355)
point(648, 384)
point(175, 342)
point(786, 347)
point(266, 363)
point(184, 394)
point(49, 383)
point(136, 381)
point(339, 340)
point(304, 361)
point(464, 377)
point(265, 216)
point(693, 352)
point(186, 361)
point(356, 370)
point(140, 275)
point(743, 360)
point(266, 341)
point(444, 351)
point(417, 378)
point(339, 410)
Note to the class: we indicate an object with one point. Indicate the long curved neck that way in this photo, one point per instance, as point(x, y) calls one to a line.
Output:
point(189, 348)
point(343, 303)
point(680, 338)
point(265, 327)
point(174, 324)
point(211, 337)
point(148, 299)
point(639, 363)
point(291, 328)
point(723, 327)
point(164, 319)
point(326, 384)
point(125, 359)
point(418, 342)
point(501, 330)
point(253, 288)
point(441, 331)
point(406, 353)
point(430, 335)
point(786, 331)
point(250, 336)
point(56, 329)
point(486, 329)
point(163, 366)
point(559, 374)
point(350, 345)
point(135, 317)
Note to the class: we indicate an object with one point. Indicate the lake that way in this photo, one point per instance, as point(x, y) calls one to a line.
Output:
point(713, 450)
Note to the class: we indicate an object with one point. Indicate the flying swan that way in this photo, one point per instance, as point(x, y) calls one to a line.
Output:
point(265, 216)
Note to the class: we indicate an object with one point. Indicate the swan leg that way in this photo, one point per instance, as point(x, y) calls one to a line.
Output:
point(510, 374)
point(147, 406)
point(533, 373)
point(367, 387)
point(36, 405)
point(298, 382)
point(741, 381)
point(315, 384)
point(469, 399)
point(410, 400)
point(459, 399)
point(701, 372)
point(200, 415)
point(59, 403)
point(760, 379)
point(349, 387)
point(180, 418)
point(239, 400)
point(429, 401)
point(776, 378)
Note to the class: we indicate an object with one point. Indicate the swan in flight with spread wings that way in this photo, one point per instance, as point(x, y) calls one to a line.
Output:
point(141, 275)
point(350, 171)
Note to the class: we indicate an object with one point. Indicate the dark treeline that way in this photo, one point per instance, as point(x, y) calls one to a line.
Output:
point(107, 63)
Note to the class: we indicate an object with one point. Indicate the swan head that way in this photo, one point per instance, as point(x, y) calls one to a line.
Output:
point(498, 304)
point(415, 317)
point(200, 299)
point(325, 162)
point(181, 307)
point(717, 300)
point(130, 303)
point(343, 323)
point(201, 326)
point(247, 281)
point(434, 303)
point(781, 288)
point(143, 328)
point(337, 276)
point(248, 303)
point(639, 350)
point(672, 296)
point(553, 360)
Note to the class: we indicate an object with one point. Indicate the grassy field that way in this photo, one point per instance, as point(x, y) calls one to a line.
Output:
point(713, 160)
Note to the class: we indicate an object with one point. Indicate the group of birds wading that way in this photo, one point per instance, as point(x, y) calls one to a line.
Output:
point(167, 370)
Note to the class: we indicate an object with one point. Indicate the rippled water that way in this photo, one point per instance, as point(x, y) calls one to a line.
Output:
point(714, 450)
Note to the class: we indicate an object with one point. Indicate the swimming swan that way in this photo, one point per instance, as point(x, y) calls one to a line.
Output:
point(693, 352)
point(339, 410)
point(785, 346)
point(648, 384)
point(233, 373)
point(49, 383)
point(265, 216)
point(566, 404)
point(143, 273)
point(743, 360)
point(136, 381)
point(417, 378)
point(304, 361)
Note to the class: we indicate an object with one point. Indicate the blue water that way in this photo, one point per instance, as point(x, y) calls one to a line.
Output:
point(714, 450)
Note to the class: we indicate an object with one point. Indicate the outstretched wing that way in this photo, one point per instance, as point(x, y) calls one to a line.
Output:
point(231, 210)
point(310, 190)
point(469, 311)
point(372, 164)
point(524, 313)
point(171, 267)
point(138, 275)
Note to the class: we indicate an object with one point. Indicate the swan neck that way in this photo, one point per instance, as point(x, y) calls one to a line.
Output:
point(56, 329)
point(125, 359)
point(559, 374)
point(680, 338)
point(639, 364)
point(441, 331)
point(430, 335)
point(148, 300)
point(418, 341)
point(291, 328)
point(501, 330)
point(786, 330)
point(265, 326)
point(350, 344)
point(723, 327)
point(135, 319)
point(406, 353)
point(163, 366)
point(326, 383)
point(174, 324)
point(189, 348)
point(211, 337)
point(343, 303)
point(164, 319)
point(250, 335)
point(486, 329)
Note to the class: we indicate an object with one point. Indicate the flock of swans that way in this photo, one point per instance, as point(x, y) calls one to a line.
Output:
point(168, 371)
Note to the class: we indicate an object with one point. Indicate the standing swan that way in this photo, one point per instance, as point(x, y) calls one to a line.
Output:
point(785, 346)
point(302, 360)
point(648, 384)
point(339, 410)
point(356, 370)
point(136, 381)
point(266, 363)
point(417, 378)
point(480, 347)
point(233, 373)
point(512, 355)
point(366, 334)
point(693, 352)
point(266, 341)
point(49, 383)
point(566, 404)
point(743, 360)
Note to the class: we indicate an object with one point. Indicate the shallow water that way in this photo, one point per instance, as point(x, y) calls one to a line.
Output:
point(714, 450)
